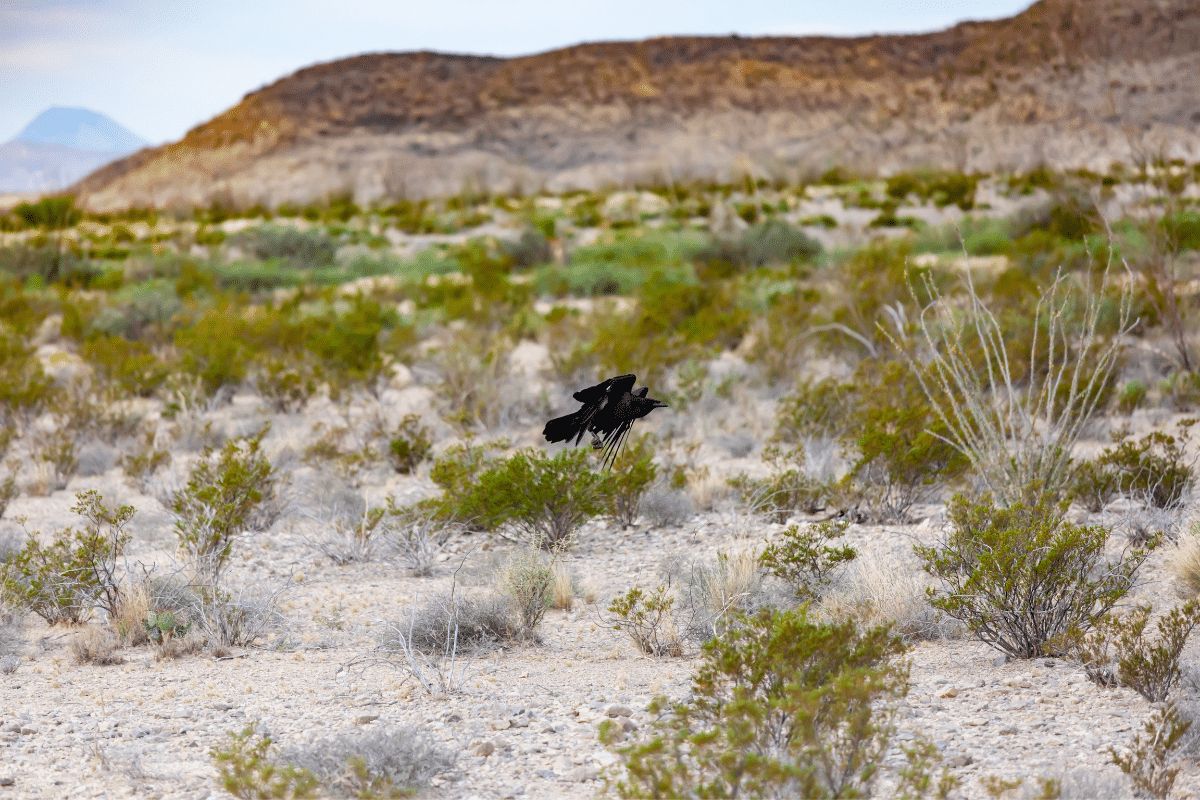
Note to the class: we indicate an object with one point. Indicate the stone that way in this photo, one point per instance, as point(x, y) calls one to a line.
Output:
point(365, 719)
point(616, 710)
point(484, 748)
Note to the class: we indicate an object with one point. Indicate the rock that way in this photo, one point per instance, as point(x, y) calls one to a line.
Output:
point(365, 719)
point(628, 725)
point(501, 724)
point(960, 760)
point(582, 773)
point(483, 748)
point(7, 780)
point(615, 710)
point(1009, 730)
point(1000, 660)
point(949, 691)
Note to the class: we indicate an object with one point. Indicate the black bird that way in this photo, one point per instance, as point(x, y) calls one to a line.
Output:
point(609, 410)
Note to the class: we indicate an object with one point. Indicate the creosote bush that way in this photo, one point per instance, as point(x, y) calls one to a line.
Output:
point(780, 706)
point(221, 492)
point(527, 580)
point(1152, 761)
point(409, 445)
point(1119, 651)
point(646, 618)
point(77, 570)
point(248, 768)
point(544, 498)
point(1153, 470)
point(633, 473)
point(806, 558)
point(1022, 577)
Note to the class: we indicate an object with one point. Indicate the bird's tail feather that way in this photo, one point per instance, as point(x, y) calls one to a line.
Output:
point(562, 429)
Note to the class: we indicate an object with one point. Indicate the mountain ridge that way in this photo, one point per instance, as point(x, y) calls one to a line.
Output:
point(1064, 82)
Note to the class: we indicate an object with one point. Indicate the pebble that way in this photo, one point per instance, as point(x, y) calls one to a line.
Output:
point(484, 748)
point(365, 719)
point(618, 711)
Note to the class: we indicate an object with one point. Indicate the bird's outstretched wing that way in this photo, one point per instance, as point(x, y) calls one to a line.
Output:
point(613, 442)
point(618, 385)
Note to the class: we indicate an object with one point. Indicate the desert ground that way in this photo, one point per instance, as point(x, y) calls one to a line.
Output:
point(310, 387)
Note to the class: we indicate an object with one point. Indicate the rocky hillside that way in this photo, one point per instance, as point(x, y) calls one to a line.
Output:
point(1068, 82)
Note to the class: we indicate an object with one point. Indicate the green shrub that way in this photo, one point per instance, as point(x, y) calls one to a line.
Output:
point(1152, 762)
point(295, 248)
point(1022, 577)
point(901, 447)
point(215, 505)
point(771, 242)
point(1131, 396)
point(247, 770)
point(788, 489)
point(530, 249)
point(409, 445)
point(24, 387)
point(632, 474)
point(646, 619)
point(287, 384)
point(526, 580)
point(780, 707)
point(546, 498)
point(62, 580)
point(373, 763)
point(1117, 650)
point(806, 558)
point(213, 347)
point(1152, 469)
point(129, 365)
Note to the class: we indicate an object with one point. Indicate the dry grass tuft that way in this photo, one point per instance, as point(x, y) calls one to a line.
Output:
point(562, 591)
point(99, 646)
point(1184, 564)
point(878, 589)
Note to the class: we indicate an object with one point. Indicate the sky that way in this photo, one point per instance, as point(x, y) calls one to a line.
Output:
point(159, 67)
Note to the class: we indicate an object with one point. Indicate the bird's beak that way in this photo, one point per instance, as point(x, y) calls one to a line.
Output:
point(660, 404)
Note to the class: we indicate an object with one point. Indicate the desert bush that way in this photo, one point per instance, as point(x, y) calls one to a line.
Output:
point(58, 451)
point(530, 249)
point(144, 460)
point(663, 506)
point(456, 472)
point(558, 494)
point(418, 536)
point(287, 384)
point(807, 558)
point(715, 591)
point(771, 242)
point(1185, 564)
point(130, 366)
point(248, 768)
point(214, 507)
point(213, 348)
point(1153, 469)
point(901, 452)
point(242, 616)
point(1152, 759)
point(473, 622)
point(1118, 651)
point(1131, 396)
point(62, 581)
point(296, 248)
point(1022, 577)
point(345, 540)
point(646, 618)
point(98, 646)
point(1017, 434)
point(8, 492)
point(527, 580)
point(409, 445)
point(563, 587)
point(780, 707)
point(11, 639)
point(375, 763)
point(787, 489)
point(632, 474)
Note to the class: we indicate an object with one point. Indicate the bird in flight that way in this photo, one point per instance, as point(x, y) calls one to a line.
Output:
point(609, 410)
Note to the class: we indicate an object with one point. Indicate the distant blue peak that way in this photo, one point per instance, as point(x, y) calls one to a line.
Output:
point(81, 129)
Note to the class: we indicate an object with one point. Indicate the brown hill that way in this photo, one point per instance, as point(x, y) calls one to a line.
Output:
point(1068, 82)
